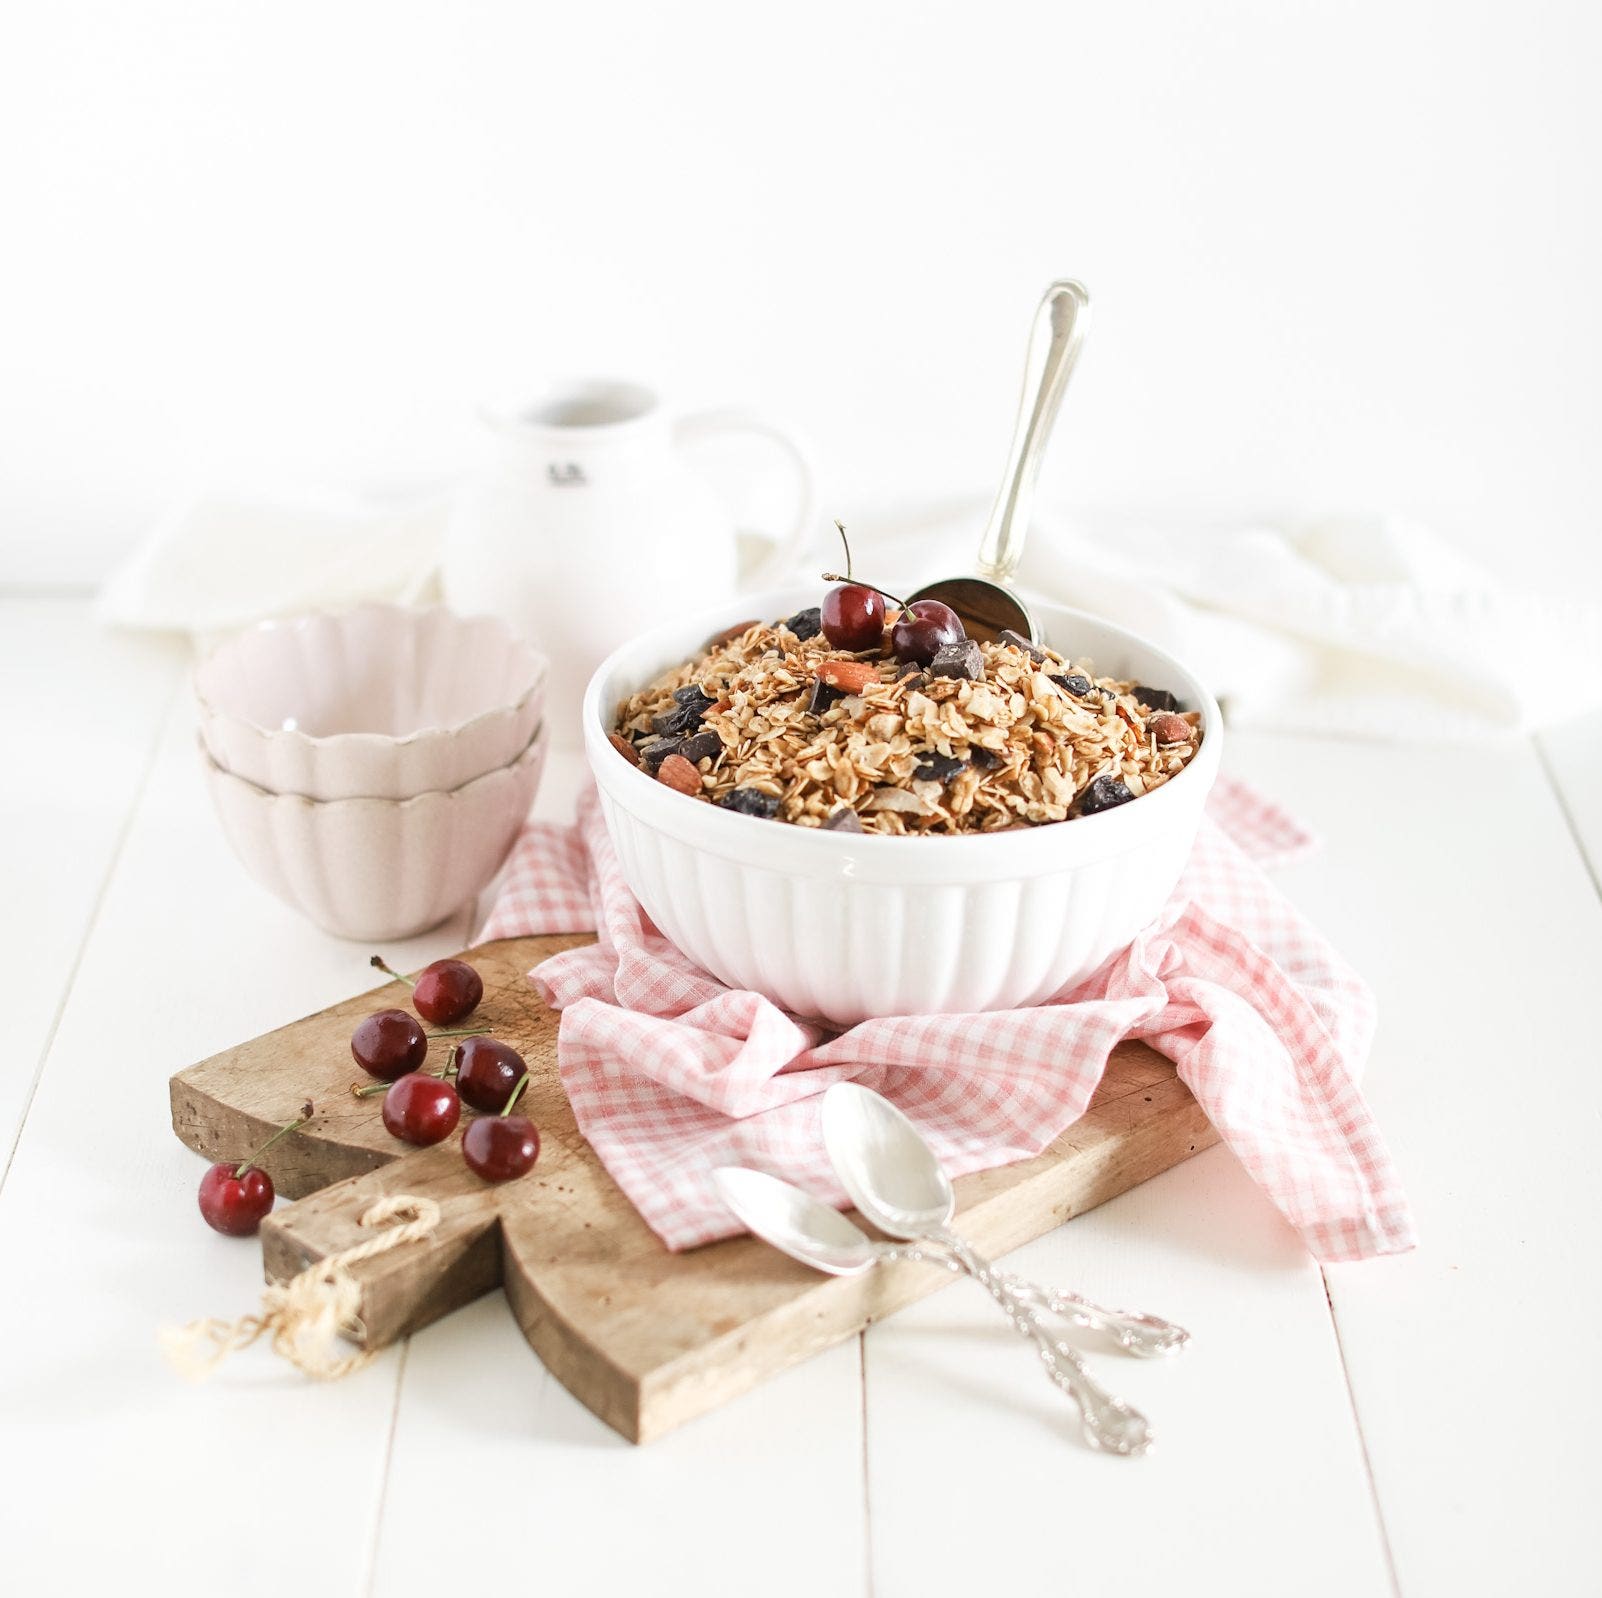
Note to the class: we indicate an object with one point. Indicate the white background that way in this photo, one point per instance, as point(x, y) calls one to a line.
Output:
point(1343, 256)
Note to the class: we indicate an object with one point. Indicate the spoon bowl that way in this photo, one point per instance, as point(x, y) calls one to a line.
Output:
point(987, 609)
point(795, 1223)
point(884, 1164)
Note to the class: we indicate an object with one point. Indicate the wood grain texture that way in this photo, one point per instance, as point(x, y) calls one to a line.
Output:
point(646, 1338)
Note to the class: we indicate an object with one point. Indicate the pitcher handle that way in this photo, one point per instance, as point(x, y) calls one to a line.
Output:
point(789, 545)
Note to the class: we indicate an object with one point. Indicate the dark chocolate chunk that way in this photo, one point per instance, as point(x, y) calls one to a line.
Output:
point(962, 660)
point(806, 624)
point(705, 745)
point(1102, 794)
point(1018, 641)
point(935, 767)
point(823, 695)
point(1155, 698)
point(984, 759)
point(845, 819)
point(655, 750)
point(751, 802)
point(690, 705)
point(1075, 683)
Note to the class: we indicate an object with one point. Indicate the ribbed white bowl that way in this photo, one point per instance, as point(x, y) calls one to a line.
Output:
point(845, 926)
point(375, 702)
point(376, 870)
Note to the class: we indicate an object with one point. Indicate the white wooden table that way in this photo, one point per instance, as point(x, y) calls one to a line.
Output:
point(1425, 1425)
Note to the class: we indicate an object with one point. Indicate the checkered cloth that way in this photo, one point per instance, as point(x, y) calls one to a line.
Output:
point(671, 1073)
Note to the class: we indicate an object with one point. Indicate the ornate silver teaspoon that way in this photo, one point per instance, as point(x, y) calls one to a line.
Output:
point(897, 1183)
point(817, 1234)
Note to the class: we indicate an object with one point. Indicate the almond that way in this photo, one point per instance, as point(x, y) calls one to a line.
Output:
point(679, 774)
point(849, 676)
point(1171, 729)
point(624, 747)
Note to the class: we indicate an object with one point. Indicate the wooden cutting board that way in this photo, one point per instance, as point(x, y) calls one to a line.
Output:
point(645, 1338)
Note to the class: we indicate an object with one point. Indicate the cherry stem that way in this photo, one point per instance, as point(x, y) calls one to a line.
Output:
point(449, 1067)
point(506, 1109)
point(290, 1126)
point(462, 1032)
point(380, 964)
point(840, 525)
point(357, 1091)
point(835, 577)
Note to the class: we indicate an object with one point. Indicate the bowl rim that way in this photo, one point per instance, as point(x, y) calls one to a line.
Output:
point(531, 754)
point(211, 710)
point(1101, 836)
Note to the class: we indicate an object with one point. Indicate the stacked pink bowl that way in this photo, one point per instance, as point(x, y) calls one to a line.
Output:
point(372, 767)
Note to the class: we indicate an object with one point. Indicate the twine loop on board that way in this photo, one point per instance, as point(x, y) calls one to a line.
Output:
point(306, 1314)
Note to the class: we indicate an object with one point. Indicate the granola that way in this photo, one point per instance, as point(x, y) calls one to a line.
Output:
point(776, 722)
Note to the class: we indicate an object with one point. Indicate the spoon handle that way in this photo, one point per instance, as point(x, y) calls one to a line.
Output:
point(1134, 1331)
point(1109, 1422)
point(1054, 343)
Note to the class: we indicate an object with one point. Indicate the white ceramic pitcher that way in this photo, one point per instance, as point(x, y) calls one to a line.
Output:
point(587, 526)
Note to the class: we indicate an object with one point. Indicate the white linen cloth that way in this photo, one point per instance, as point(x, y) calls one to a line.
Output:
point(1356, 626)
point(228, 557)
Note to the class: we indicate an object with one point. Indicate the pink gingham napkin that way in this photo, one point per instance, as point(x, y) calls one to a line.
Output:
point(671, 1074)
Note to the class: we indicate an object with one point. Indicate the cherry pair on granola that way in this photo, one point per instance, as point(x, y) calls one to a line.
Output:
point(854, 613)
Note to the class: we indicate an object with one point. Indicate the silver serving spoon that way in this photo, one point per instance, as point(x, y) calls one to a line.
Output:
point(817, 1234)
point(986, 605)
point(897, 1183)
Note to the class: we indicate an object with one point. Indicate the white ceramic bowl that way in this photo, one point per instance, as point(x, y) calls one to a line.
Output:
point(844, 926)
point(377, 870)
point(377, 702)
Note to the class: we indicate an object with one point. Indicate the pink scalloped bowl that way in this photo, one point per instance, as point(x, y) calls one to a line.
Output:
point(377, 870)
point(376, 702)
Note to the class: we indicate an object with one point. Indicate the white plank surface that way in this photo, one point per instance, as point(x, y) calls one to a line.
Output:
point(1256, 1486)
point(761, 1497)
point(81, 713)
point(258, 1477)
point(1572, 751)
point(1451, 878)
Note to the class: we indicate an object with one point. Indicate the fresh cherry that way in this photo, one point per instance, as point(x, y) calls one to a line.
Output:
point(923, 629)
point(388, 1044)
point(233, 1204)
point(499, 1148)
point(235, 1196)
point(442, 992)
point(446, 991)
point(504, 1147)
point(853, 614)
point(421, 1109)
point(853, 617)
point(487, 1072)
point(918, 634)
